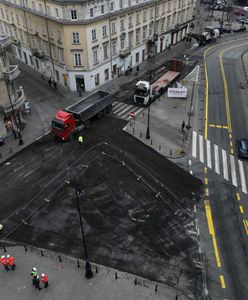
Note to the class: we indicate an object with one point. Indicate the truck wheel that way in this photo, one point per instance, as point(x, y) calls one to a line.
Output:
point(109, 108)
point(100, 115)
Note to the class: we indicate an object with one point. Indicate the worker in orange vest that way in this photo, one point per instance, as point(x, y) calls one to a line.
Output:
point(11, 261)
point(44, 279)
point(5, 263)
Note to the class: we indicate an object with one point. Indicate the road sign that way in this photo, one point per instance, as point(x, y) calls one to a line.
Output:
point(132, 114)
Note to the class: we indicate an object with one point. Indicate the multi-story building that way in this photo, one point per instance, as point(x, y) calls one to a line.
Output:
point(11, 99)
point(88, 42)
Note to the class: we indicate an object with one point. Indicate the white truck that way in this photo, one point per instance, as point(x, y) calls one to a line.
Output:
point(145, 92)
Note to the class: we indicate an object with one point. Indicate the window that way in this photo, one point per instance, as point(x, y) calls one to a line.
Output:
point(104, 31)
point(40, 8)
point(122, 43)
point(113, 47)
point(2, 13)
point(33, 5)
point(137, 1)
point(59, 36)
point(112, 6)
point(77, 59)
point(106, 73)
point(91, 12)
point(102, 9)
point(130, 39)
point(75, 38)
point(95, 56)
point(130, 21)
point(53, 51)
point(137, 36)
point(129, 2)
point(97, 79)
point(150, 29)
point(137, 57)
point(73, 14)
point(105, 51)
point(151, 14)
point(93, 35)
point(61, 55)
point(17, 19)
point(162, 25)
point(144, 16)
point(113, 30)
point(56, 12)
point(157, 10)
point(137, 19)
point(121, 4)
point(163, 8)
point(144, 32)
point(122, 27)
point(49, 10)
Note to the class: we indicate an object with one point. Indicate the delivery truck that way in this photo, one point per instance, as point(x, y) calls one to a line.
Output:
point(77, 116)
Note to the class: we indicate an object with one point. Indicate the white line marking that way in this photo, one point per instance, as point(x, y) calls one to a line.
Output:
point(209, 162)
point(115, 111)
point(242, 176)
point(201, 148)
point(28, 174)
point(123, 111)
point(216, 159)
point(117, 104)
point(224, 160)
point(190, 162)
point(233, 171)
point(194, 143)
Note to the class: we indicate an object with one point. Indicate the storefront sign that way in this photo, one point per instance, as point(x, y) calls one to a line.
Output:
point(177, 92)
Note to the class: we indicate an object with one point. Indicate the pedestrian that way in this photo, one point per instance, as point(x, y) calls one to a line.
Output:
point(44, 279)
point(36, 282)
point(14, 133)
point(11, 262)
point(34, 274)
point(5, 263)
point(50, 82)
point(55, 85)
point(183, 125)
point(80, 140)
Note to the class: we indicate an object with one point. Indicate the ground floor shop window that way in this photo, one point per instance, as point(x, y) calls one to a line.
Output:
point(106, 73)
point(97, 79)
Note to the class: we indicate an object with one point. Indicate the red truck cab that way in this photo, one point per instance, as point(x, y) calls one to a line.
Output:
point(63, 125)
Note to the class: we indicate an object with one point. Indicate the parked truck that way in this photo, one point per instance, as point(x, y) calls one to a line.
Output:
point(146, 92)
point(208, 35)
point(77, 116)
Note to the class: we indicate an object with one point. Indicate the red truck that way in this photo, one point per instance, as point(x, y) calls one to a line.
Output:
point(77, 116)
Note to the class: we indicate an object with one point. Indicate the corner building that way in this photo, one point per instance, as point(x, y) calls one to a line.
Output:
point(86, 43)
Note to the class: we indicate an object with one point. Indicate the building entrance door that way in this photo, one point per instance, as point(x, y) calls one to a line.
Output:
point(80, 83)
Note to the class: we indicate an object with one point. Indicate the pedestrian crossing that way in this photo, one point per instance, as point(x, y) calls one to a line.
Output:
point(220, 161)
point(122, 110)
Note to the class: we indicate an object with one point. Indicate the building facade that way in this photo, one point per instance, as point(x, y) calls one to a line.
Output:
point(85, 43)
point(12, 99)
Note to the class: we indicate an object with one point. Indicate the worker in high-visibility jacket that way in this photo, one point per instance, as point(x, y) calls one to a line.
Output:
point(80, 140)
point(11, 261)
point(34, 274)
point(44, 279)
point(5, 263)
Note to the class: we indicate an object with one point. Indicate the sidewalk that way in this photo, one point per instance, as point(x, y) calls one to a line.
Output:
point(67, 281)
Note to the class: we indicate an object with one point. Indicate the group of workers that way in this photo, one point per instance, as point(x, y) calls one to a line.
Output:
point(9, 264)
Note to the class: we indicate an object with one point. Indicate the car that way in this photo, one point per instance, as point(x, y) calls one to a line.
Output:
point(242, 147)
point(223, 29)
point(241, 18)
point(240, 29)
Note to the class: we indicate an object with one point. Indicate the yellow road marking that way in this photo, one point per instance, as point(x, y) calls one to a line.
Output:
point(232, 152)
point(226, 127)
point(206, 181)
point(241, 209)
point(206, 192)
point(231, 143)
point(218, 126)
point(222, 281)
point(238, 196)
point(211, 125)
point(212, 231)
point(246, 226)
point(230, 135)
point(205, 170)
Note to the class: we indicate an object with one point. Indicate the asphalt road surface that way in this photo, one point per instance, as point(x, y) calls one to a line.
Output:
point(137, 207)
point(224, 174)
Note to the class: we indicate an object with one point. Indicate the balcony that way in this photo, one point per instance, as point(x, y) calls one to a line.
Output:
point(12, 73)
point(152, 39)
point(17, 101)
point(125, 53)
point(5, 40)
point(38, 53)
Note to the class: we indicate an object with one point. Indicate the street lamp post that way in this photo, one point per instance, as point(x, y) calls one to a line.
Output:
point(148, 116)
point(88, 271)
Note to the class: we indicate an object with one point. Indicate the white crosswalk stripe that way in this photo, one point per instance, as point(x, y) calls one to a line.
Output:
point(218, 159)
point(122, 110)
point(242, 177)
point(216, 156)
point(225, 168)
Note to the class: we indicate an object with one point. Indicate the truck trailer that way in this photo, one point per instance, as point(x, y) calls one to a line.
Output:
point(146, 92)
point(77, 116)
